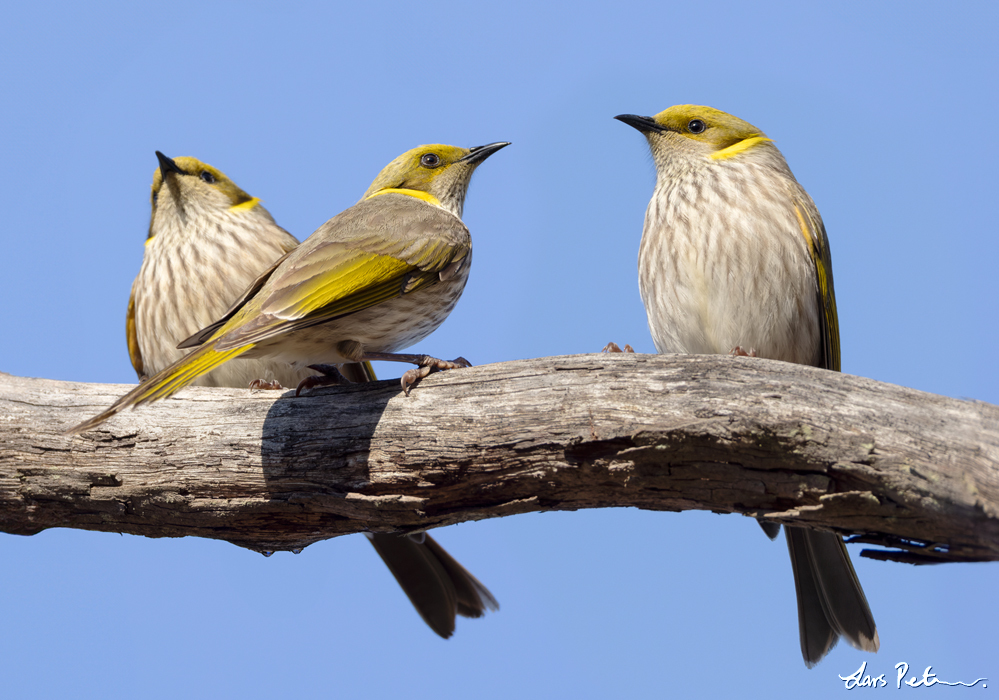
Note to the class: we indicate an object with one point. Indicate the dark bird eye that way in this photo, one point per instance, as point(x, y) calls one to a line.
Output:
point(208, 177)
point(430, 160)
point(696, 126)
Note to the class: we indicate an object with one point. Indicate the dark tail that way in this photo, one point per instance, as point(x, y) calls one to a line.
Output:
point(831, 601)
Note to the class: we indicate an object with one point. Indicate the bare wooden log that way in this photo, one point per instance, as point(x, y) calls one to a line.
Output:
point(912, 471)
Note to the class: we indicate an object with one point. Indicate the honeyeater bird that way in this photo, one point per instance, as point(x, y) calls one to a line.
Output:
point(374, 279)
point(734, 257)
point(208, 241)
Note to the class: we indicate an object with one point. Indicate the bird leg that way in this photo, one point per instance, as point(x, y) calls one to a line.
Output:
point(424, 365)
point(263, 384)
point(330, 377)
point(737, 351)
point(614, 347)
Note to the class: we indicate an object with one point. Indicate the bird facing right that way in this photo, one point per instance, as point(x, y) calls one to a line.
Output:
point(734, 256)
point(208, 241)
point(376, 278)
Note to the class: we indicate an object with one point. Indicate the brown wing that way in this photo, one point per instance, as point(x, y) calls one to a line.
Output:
point(131, 335)
point(368, 254)
point(814, 232)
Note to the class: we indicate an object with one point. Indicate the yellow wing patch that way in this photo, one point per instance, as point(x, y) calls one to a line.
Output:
point(357, 276)
point(812, 231)
point(131, 335)
point(806, 230)
point(167, 382)
point(363, 281)
point(185, 371)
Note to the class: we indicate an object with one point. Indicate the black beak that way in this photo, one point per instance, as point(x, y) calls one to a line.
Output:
point(643, 124)
point(480, 153)
point(167, 165)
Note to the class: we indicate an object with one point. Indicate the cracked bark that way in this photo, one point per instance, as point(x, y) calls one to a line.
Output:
point(914, 472)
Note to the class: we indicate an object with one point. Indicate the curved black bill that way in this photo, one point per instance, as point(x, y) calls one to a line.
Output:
point(643, 124)
point(167, 165)
point(480, 153)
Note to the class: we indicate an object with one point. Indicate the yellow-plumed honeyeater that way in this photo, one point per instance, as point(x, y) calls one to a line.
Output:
point(734, 256)
point(208, 241)
point(375, 278)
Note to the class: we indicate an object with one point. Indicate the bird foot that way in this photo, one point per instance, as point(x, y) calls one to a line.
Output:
point(330, 376)
point(425, 365)
point(737, 351)
point(614, 347)
point(263, 384)
point(428, 365)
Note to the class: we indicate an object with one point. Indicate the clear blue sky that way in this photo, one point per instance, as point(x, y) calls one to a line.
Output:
point(885, 112)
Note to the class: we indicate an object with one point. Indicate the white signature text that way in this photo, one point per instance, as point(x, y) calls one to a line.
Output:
point(861, 679)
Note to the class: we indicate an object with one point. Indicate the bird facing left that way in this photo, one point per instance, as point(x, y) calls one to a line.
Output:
point(734, 255)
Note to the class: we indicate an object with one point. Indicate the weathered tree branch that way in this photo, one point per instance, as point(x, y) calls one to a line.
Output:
point(913, 471)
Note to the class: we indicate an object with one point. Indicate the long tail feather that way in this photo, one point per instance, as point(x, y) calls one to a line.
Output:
point(831, 601)
point(165, 383)
point(422, 577)
point(435, 583)
point(816, 633)
point(473, 597)
point(842, 596)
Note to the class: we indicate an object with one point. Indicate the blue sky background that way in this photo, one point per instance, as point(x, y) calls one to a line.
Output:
point(885, 112)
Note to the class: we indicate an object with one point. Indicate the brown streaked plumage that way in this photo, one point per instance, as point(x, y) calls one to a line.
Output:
point(208, 243)
point(734, 255)
point(401, 253)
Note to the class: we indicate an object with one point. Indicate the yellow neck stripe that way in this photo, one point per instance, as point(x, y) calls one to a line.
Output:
point(737, 148)
point(245, 206)
point(425, 196)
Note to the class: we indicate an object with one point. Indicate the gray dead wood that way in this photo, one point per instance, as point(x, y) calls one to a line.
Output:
point(911, 471)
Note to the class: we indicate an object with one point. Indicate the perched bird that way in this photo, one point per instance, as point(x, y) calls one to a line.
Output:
point(208, 241)
point(734, 256)
point(375, 278)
